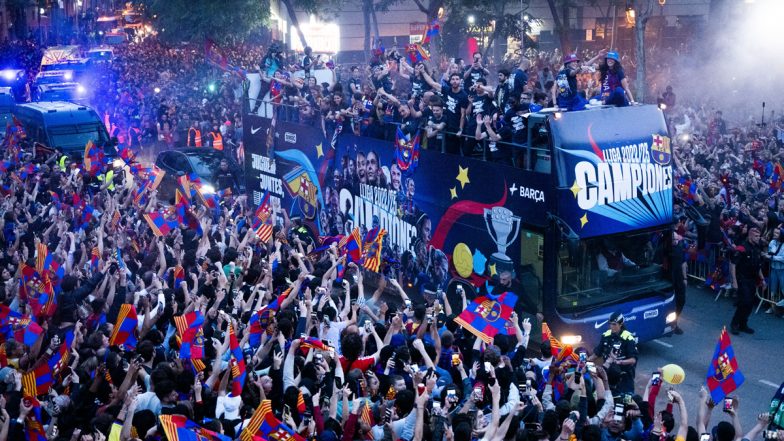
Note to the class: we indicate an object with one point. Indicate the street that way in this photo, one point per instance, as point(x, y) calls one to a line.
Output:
point(759, 355)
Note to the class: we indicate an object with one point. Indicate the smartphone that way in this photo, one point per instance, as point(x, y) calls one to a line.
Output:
point(414, 367)
point(619, 408)
point(488, 366)
point(591, 367)
point(523, 387)
point(705, 437)
point(582, 357)
point(455, 359)
point(286, 410)
point(436, 405)
point(573, 416)
point(627, 399)
point(338, 383)
point(479, 393)
point(306, 418)
point(727, 404)
point(656, 378)
point(451, 394)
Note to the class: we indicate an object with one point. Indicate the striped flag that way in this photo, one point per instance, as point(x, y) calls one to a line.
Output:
point(238, 371)
point(189, 329)
point(180, 428)
point(264, 425)
point(124, 332)
point(372, 260)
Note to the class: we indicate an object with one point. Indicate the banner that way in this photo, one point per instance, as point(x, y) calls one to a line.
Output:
point(614, 169)
point(450, 217)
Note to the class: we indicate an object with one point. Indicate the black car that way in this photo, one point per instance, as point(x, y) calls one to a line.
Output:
point(204, 162)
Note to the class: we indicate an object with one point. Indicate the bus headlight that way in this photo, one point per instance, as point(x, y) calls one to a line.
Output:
point(9, 74)
point(671, 317)
point(80, 89)
point(571, 340)
point(68, 76)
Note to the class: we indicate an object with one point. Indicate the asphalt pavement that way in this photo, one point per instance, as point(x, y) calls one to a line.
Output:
point(759, 356)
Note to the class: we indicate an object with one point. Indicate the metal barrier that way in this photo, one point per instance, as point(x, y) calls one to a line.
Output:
point(698, 270)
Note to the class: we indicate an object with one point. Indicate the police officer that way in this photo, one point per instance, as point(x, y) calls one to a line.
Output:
point(746, 270)
point(618, 349)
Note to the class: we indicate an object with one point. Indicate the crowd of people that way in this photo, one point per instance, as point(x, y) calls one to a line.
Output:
point(110, 323)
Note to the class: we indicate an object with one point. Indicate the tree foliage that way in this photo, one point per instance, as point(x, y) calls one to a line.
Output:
point(194, 20)
point(499, 19)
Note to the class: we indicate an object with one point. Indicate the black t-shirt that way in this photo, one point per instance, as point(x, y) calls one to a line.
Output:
point(354, 82)
point(566, 84)
point(518, 80)
point(453, 102)
point(482, 105)
point(518, 124)
point(418, 86)
point(473, 76)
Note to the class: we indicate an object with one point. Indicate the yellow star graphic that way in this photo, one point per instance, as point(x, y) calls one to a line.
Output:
point(453, 192)
point(492, 269)
point(575, 188)
point(584, 220)
point(319, 150)
point(462, 176)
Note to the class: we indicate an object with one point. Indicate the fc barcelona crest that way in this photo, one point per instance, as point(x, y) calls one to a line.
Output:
point(660, 150)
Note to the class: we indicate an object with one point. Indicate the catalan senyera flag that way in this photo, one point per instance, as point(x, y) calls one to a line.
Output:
point(367, 414)
point(124, 332)
point(238, 371)
point(179, 428)
point(189, 329)
point(372, 259)
point(264, 425)
point(488, 315)
point(723, 376)
point(264, 232)
point(43, 258)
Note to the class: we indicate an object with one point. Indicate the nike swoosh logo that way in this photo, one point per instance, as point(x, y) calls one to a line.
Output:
point(599, 325)
point(254, 131)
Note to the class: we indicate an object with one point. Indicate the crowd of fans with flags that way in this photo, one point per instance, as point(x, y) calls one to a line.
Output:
point(126, 317)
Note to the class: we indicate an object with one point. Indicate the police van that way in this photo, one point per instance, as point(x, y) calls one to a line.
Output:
point(63, 125)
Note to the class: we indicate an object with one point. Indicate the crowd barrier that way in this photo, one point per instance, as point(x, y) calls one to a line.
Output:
point(698, 270)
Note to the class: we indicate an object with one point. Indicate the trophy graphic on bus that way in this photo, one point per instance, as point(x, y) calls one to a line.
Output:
point(503, 227)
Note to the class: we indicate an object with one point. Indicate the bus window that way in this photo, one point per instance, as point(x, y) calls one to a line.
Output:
point(605, 270)
point(531, 267)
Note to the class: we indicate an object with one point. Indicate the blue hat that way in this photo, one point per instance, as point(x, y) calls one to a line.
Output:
point(612, 55)
point(397, 340)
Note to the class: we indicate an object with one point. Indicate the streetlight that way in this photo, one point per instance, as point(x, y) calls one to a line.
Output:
point(471, 19)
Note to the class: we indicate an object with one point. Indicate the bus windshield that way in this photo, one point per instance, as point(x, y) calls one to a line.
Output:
point(604, 270)
point(75, 136)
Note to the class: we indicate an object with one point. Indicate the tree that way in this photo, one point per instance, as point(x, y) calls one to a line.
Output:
point(643, 11)
point(496, 20)
point(431, 13)
point(561, 21)
point(194, 20)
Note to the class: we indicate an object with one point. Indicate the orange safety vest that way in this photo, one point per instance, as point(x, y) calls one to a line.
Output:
point(196, 136)
point(217, 140)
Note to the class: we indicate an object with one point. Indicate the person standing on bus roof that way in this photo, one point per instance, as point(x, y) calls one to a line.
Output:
point(618, 349)
point(746, 271)
point(614, 84)
point(564, 91)
point(455, 105)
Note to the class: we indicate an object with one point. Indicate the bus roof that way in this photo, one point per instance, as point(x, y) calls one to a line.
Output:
point(60, 54)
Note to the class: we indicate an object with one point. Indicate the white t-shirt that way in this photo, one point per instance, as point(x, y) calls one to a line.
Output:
point(331, 334)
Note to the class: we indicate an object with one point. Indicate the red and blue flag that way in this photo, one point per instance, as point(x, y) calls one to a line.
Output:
point(180, 428)
point(124, 333)
point(264, 425)
point(724, 376)
point(487, 316)
point(238, 371)
point(189, 329)
point(158, 223)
